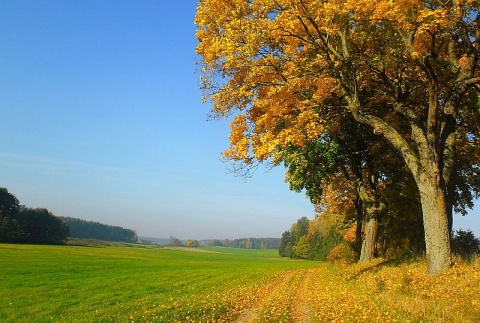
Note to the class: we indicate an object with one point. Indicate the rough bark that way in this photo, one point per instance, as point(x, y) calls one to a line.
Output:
point(435, 222)
point(369, 240)
point(358, 230)
point(374, 209)
point(425, 168)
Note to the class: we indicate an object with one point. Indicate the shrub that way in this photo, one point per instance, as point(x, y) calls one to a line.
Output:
point(321, 245)
point(343, 253)
point(465, 244)
point(302, 247)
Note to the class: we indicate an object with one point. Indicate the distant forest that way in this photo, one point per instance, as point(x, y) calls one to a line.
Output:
point(20, 224)
point(95, 230)
point(244, 243)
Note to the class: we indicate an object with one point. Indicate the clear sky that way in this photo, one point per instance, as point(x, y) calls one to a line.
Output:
point(101, 119)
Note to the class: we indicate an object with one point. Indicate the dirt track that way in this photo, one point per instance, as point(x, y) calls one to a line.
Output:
point(310, 295)
point(371, 292)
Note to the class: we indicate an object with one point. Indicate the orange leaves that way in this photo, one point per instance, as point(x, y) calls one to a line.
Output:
point(350, 235)
point(278, 64)
point(463, 61)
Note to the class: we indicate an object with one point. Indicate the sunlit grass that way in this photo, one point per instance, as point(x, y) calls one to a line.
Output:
point(65, 283)
point(122, 284)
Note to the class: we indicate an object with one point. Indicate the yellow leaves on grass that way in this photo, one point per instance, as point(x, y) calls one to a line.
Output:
point(377, 291)
point(407, 293)
point(373, 292)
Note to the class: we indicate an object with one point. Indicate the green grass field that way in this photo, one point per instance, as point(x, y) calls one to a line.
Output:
point(128, 284)
point(122, 284)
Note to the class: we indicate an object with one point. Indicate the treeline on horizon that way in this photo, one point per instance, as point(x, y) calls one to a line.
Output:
point(247, 243)
point(21, 224)
point(243, 243)
point(94, 230)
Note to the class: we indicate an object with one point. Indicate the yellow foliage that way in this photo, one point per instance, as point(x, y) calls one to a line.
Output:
point(350, 235)
point(342, 254)
point(326, 222)
point(281, 61)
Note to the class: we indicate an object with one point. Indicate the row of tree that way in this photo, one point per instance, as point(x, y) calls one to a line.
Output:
point(302, 242)
point(334, 238)
point(19, 224)
point(245, 243)
point(95, 230)
point(373, 106)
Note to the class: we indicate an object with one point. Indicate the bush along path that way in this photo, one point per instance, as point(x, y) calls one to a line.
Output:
point(374, 292)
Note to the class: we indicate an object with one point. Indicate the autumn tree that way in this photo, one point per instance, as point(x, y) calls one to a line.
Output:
point(345, 152)
point(290, 239)
point(407, 69)
point(192, 243)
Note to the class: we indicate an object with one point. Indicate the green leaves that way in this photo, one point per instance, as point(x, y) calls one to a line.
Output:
point(310, 165)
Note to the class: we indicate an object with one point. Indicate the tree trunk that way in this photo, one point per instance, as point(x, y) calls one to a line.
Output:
point(435, 222)
point(358, 229)
point(369, 239)
point(427, 174)
point(374, 209)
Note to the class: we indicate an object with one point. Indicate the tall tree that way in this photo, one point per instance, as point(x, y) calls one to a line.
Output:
point(9, 204)
point(10, 230)
point(291, 238)
point(286, 245)
point(407, 69)
point(349, 155)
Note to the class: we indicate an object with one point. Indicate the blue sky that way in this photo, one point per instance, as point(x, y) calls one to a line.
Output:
point(102, 120)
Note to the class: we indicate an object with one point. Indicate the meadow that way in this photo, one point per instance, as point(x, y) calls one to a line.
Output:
point(88, 284)
point(126, 284)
